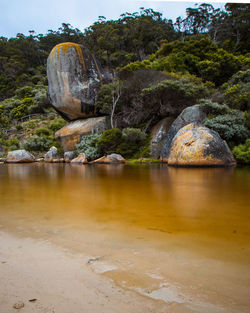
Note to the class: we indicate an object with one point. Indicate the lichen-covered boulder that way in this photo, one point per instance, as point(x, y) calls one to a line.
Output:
point(71, 134)
point(74, 78)
point(80, 159)
point(20, 156)
point(195, 145)
point(68, 156)
point(159, 134)
point(113, 158)
point(193, 114)
point(51, 155)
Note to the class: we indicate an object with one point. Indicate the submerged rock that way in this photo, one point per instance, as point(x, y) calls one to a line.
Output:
point(71, 134)
point(19, 156)
point(159, 134)
point(51, 154)
point(111, 158)
point(81, 159)
point(193, 114)
point(74, 79)
point(199, 146)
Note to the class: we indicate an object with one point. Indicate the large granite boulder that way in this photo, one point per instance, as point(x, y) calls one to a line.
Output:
point(113, 158)
point(71, 134)
point(159, 134)
point(193, 114)
point(74, 78)
point(195, 145)
point(51, 155)
point(20, 156)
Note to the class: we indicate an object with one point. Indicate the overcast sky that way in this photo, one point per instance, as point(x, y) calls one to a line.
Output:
point(20, 16)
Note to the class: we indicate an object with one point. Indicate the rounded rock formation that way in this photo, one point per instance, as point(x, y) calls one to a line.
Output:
point(80, 159)
point(199, 146)
point(51, 155)
point(113, 158)
point(70, 135)
point(74, 78)
point(192, 114)
point(19, 156)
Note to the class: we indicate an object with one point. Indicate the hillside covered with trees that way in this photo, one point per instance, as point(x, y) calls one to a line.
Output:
point(159, 67)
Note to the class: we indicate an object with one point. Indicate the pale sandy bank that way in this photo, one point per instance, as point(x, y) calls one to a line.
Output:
point(60, 281)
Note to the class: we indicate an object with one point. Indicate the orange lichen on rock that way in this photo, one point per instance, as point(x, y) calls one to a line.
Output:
point(64, 47)
point(199, 146)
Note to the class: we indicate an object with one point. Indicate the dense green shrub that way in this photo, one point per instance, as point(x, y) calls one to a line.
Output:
point(172, 95)
point(38, 144)
point(237, 91)
point(242, 152)
point(57, 123)
point(133, 135)
point(130, 142)
point(88, 145)
point(109, 140)
point(43, 131)
point(12, 144)
point(230, 124)
point(19, 111)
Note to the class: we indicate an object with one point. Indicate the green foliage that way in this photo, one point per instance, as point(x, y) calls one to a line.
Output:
point(130, 142)
point(200, 57)
point(57, 123)
point(104, 100)
point(242, 152)
point(230, 124)
point(24, 92)
point(237, 91)
point(88, 145)
point(43, 131)
point(19, 111)
point(109, 140)
point(175, 93)
point(38, 144)
point(12, 144)
point(133, 135)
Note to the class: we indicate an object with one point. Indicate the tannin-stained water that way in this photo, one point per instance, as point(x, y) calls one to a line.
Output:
point(169, 233)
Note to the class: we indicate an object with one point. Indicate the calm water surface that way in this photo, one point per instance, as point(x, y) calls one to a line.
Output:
point(210, 202)
point(164, 214)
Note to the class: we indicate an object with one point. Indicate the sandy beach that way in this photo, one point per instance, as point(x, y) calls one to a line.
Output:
point(59, 281)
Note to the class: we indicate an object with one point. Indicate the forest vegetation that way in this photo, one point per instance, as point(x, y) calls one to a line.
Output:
point(159, 67)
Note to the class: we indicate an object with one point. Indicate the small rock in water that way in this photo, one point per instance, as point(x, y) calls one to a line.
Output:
point(18, 305)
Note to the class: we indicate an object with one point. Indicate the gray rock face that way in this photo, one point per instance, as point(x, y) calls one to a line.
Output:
point(51, 154)
point(74, 78)
point(71, 134)
point(159, 134)
point(195, 145)
point(68, 156)
point(193, 114)
point(19, 156)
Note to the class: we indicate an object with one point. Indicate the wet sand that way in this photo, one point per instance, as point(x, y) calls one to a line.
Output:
point(59, 281)
point(121, 278)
